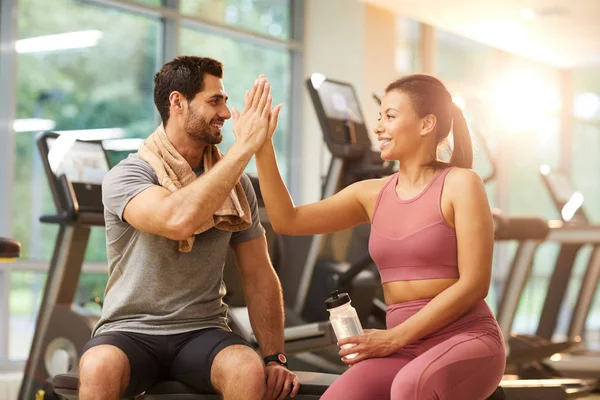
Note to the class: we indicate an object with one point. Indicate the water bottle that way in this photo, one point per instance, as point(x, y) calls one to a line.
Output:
point(343, 317)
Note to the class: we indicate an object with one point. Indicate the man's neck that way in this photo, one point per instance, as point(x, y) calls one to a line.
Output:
point(191, 149)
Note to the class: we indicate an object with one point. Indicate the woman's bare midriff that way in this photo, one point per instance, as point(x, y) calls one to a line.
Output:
point(402, 291)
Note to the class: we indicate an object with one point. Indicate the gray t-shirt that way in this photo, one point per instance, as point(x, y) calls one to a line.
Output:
point(152, 287)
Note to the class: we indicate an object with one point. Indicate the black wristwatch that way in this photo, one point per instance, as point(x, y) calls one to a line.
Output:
point(279, 358)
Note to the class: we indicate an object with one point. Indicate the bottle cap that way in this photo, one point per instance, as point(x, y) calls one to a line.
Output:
point(337, 299)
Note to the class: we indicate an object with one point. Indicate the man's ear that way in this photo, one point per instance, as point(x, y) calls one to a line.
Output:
point(428, 124)
point(176, 101)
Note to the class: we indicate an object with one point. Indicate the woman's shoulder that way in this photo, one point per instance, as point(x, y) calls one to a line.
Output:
point(463, 181)
point(366, 191)
point(462, 176)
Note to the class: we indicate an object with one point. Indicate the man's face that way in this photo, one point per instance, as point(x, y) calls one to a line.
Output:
point(207, 112)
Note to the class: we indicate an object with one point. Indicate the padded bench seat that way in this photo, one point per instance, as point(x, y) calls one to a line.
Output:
point(313, 386)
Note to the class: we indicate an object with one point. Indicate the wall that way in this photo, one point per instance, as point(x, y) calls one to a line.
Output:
point(379, 62)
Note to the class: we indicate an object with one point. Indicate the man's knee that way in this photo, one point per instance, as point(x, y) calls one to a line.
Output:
point(237, 366)
point(102, 364)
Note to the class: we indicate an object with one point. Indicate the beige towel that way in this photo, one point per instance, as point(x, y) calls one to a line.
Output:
point(174, 172)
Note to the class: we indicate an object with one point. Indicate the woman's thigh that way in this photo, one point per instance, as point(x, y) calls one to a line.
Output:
point(466, 366)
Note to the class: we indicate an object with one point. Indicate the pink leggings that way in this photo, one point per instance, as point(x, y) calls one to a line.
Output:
point(464, 360)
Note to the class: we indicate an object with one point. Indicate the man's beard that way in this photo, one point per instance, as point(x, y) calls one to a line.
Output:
point(198, 128)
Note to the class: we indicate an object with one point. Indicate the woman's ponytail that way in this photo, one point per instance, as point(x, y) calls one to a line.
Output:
point(462, 151)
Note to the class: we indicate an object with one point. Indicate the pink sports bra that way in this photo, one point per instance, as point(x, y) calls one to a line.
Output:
point(410, 239)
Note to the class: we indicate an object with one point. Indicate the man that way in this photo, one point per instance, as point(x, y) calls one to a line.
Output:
point(163, 314)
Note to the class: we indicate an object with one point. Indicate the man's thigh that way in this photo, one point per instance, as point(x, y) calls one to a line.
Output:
point(193, 363)
point(144, 366)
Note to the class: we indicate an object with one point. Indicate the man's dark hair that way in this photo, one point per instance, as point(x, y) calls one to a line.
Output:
point(185, 75)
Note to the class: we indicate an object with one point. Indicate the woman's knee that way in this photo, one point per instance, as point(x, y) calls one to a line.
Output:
point(369, 379)
point(405, 386)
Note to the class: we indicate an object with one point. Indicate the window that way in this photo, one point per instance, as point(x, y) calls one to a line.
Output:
point(463, 60)
point(95, 74)
point(585, 169)
point(152, 3)
point(585, 173)
point(242, 63)
point(566, 311)
point(514, 104)
point(408, 51)
point(586, 93)
point(269, 17)
point(528, 127)
point(26, 290)
point(104, 81)
point(89, 67)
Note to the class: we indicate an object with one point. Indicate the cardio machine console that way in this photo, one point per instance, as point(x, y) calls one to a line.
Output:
point(75, 169)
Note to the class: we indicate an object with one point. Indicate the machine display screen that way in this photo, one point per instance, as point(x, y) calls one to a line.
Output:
point(80, 161)
point(339, 102)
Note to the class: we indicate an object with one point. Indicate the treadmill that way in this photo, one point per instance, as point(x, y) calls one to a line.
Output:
point(579, 362)
point(74, 170)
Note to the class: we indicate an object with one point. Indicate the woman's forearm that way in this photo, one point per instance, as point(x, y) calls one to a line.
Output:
point(278, 202)
point(443, 309)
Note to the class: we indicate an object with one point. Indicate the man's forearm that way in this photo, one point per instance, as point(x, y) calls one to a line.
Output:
point(265, 307)
point(194, 204)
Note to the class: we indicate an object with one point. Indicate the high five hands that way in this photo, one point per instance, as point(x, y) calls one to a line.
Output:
point(256, 124)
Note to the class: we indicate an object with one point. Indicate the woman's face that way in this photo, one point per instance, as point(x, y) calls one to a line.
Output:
point(400, 130)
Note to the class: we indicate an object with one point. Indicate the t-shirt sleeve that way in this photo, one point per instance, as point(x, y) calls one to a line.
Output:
point(124, 182)
point(256, 229)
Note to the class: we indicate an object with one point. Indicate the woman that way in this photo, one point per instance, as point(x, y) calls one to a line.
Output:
point(432, 240)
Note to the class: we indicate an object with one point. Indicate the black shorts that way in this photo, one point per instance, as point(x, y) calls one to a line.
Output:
point(186, 357)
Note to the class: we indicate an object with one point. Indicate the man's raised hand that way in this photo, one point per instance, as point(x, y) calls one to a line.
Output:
point(251, 127)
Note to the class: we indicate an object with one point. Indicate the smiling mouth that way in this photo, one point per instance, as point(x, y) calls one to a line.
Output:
point(383, 143)
point(217, 125)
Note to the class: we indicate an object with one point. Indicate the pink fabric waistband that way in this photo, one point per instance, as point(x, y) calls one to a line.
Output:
point(479, 317)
